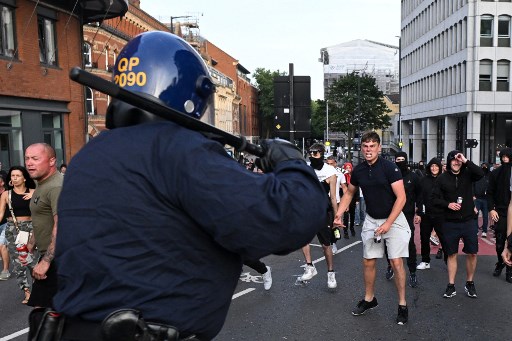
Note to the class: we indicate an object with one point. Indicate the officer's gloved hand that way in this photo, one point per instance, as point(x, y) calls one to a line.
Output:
point(276, 151)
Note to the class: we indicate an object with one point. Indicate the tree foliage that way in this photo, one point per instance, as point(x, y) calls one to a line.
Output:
point(318, 120)
point(355, 105)
point(265, 83)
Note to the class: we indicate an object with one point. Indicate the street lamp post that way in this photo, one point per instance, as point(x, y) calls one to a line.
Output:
point(180, 16)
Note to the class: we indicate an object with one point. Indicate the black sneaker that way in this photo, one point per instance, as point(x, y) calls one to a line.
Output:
point(389, 273)
point(403, 315)
point(439, 254)
point(450, 291)
point(508, 277)
point(353, 232)
point(498, 269)
point(363, 306)
point(413, 280)
point(470, 289)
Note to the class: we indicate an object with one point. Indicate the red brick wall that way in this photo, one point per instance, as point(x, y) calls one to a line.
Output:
point(28, 78)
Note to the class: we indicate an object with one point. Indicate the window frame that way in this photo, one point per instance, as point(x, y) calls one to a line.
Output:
point(485, 80)
point(4, 41)
point(486, 40)
point(44, 41)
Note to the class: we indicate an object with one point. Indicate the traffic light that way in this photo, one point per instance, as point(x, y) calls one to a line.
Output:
point(470, 143)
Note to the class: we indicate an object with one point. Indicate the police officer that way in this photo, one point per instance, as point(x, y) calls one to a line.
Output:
point(142, 227)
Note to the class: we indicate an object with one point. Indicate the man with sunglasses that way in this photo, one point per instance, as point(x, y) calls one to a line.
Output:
point(382, 184)
point(327, 176)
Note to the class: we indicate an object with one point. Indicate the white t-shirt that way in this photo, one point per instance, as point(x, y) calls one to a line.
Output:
point(326, 172)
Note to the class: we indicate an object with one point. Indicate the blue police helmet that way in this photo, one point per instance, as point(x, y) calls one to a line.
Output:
point(165, 66)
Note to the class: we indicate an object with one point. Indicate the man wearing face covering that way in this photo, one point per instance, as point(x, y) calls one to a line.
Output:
point(327, 176)
point(498, 199)
point(413, 195)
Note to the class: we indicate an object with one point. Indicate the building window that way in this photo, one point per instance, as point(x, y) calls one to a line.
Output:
point(87, 55)
point(504, 31)
point(485, 78)
point(47, 41)
point(52, 134)
point(486, 24)
point(89, 101)
point(7, 42)
point(502, 73)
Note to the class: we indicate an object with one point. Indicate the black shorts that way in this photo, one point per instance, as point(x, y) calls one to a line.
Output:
point(453, 232)
point(325, 232)
point(44, 290)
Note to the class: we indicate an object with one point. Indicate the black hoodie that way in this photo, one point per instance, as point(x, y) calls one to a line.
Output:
point(449, 187)
point(498, 191)
point(427, 185)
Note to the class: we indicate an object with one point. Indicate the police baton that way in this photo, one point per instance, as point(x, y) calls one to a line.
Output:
point(150, 105)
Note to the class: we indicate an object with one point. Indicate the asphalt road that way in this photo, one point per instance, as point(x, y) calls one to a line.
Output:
point(313, 312)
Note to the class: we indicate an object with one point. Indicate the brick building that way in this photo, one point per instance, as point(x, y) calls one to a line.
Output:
point(102, 43)
point(38, 101)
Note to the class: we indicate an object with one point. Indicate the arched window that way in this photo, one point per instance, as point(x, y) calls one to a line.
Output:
point(485, 75)
point(87, 54)
point(89, 101)
point(502, 75)
point(486, 27)
point(504, 31)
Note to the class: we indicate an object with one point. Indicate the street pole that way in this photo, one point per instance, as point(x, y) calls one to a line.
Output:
point(292, 114)
point(400, 143)
point(327, 119)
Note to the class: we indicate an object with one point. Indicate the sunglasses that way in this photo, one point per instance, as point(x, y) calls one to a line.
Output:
point(314, 152)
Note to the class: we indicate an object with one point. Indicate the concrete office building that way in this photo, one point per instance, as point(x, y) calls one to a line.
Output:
point(455, 77)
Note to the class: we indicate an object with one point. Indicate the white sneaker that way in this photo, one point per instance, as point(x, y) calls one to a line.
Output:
point(309, 272)
point(423, 266)
point(334, 248)
point(484, 234)
point(267, 278)
point(331, 280)
point(4, 275)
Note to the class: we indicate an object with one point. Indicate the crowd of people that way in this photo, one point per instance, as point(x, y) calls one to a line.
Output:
point(128, 220)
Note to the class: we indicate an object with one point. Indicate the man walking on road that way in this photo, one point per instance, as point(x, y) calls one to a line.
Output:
point(498, 198)
point(453, 191)
point(382, 184)
point(327, 176)
point(40, 161)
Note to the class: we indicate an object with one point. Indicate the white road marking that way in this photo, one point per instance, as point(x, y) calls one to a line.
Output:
point(13, 335)
point(241, 293)
point(338, 251)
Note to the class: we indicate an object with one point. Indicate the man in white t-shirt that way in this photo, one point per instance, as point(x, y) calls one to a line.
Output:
point(327, 176)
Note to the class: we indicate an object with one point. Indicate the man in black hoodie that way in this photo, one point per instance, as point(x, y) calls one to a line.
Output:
point(498, 198)
point(412, 195)
point(453, 191)
point(431, 216)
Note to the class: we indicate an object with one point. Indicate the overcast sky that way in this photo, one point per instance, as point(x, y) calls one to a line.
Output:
point(273, 33)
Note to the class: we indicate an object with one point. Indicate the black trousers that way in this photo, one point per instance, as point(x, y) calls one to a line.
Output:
point(500, 231)
point(257, 265)
point(429, 223)
point(350, 215)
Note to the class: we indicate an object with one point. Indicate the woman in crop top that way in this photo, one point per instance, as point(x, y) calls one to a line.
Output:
point(21, 187)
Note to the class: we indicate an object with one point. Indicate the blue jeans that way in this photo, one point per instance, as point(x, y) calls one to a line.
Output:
point(481, 205)
point(360, 212)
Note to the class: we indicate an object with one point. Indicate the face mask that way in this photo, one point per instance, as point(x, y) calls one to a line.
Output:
point(486, 170)
point(402, 165)
point(316, 163)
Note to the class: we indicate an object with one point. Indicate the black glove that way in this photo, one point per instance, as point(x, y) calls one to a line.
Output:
point(277, 150)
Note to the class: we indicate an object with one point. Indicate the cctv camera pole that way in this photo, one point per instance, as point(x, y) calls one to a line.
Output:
point(161, 110)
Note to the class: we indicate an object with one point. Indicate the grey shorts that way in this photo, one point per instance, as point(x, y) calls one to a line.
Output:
point(396, 239)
